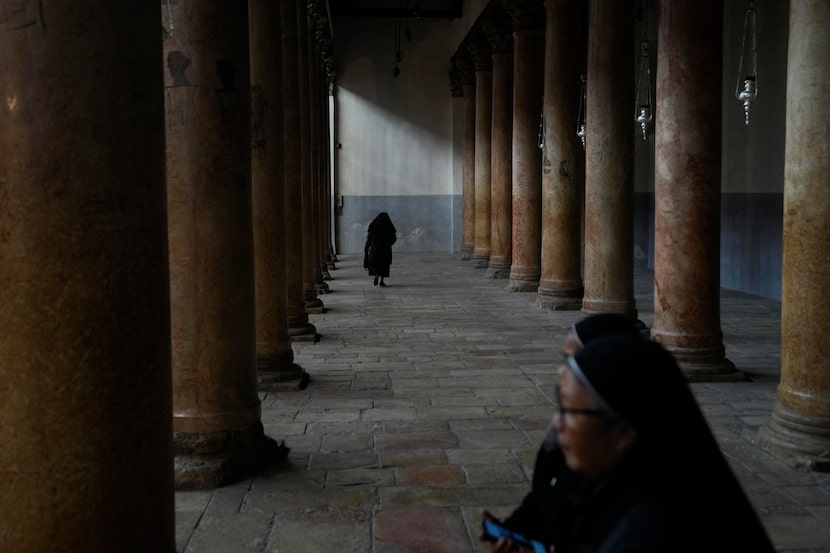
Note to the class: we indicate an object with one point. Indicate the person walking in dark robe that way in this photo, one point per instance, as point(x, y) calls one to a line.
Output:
point(377, 253)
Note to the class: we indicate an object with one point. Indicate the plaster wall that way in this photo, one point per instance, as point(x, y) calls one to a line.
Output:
point(400, 144)
point(396, 137)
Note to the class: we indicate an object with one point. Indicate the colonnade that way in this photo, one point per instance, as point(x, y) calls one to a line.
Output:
point(572, 210)
point(164, 236)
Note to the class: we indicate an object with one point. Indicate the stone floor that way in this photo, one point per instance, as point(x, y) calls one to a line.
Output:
point(427, 402)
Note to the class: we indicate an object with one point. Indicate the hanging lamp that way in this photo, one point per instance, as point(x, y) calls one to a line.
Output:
point(746, 89)
point(644, 110)
point(580, 125)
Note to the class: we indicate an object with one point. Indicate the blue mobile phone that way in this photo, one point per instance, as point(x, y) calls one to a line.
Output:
point(493, 531)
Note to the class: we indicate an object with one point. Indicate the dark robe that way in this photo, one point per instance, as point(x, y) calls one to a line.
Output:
point(674, 490)
point(377, 253)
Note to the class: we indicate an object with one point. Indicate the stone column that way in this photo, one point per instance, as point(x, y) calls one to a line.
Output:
point(299, 327)
point(799, 430)
point(468, 86)
point(687, 188)
point(480, 52)
point(311, 268)
point(315, 145)
point(327, 75)
point(560, 286)
point(331, 254)
point(217, 433)
point(500, 35)
point(609, 158)
point(275, 357)
point(85, 394)
point(528, 89)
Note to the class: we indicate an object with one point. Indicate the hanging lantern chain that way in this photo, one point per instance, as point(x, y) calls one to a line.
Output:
point(746, 89)
point(580, 125)
point(643, 112)
point(167, 30)
point(643, 107)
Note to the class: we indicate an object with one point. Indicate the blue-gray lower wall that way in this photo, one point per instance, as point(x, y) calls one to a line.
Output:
point(751, 243)
point(751, 232)
point(424, 223)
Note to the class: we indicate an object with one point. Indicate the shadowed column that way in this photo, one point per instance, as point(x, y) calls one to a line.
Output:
point(480, 52)
point(799, 430)
point(316, 11)
point(275, 357)
point(609, 157)
point(322, 39)
point(468, 86)
point(299, 328)
point(313, 304)
point(85, 395)
point(528, 89)
point(218, 436)
point(499, 33)
point(687, 188)
point(560, 286)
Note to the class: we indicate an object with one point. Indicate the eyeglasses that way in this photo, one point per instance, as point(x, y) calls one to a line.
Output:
point(561, 410)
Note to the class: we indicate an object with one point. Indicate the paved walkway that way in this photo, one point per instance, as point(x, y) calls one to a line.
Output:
point(427, 402)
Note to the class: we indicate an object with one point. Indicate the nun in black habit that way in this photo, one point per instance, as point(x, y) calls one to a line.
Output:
point(377, 253)
point(654, 478)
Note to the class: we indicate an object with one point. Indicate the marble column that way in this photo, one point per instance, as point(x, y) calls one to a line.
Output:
point(799, 429)
point(609, 157)
point(313, 303)
point(328, 203)
point(316, 11)
point(326, 85)
point(480, 52)
point(468, 86)
point(560, 285)
point(687, 188)
point(322, 42)
point(275, 358)
point(500, 36)
point(299, 327)
point(217, 434)
point(85, 393)
point(528, 89)
point(329, 75)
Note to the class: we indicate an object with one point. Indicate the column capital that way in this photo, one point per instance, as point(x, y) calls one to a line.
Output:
point(456, 88)
point(463, 62)
point(499, 34)
point(527, 15)
point(481, 54)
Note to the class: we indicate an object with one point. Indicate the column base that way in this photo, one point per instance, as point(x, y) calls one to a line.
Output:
point(497, 269)
point(522, 285)
point(326, 274)
point(559, 300)
point(208, 461)
point(801, 441)
point(706, 365)
point(481, 261)
point(466, 253)
point(314, 306)
point(292, 379)
point(278, 372)
point(322, 287)
point(300, 330)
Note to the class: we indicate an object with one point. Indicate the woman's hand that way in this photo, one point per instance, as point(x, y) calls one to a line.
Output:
point(502, 544)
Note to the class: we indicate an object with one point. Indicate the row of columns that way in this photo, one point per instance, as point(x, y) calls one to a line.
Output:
point(572, 216)
point(164, 236)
